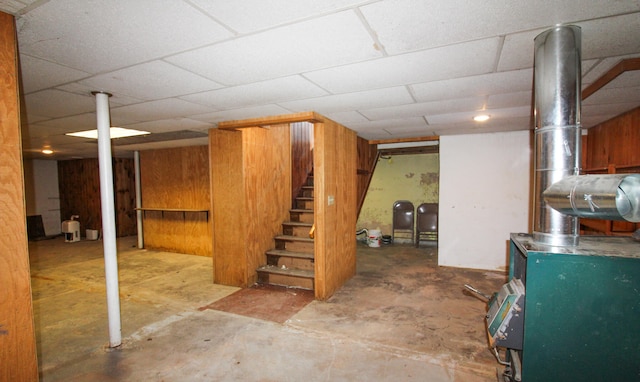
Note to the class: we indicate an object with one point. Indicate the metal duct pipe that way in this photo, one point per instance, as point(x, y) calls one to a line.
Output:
point(609, 197)
point(557, 75)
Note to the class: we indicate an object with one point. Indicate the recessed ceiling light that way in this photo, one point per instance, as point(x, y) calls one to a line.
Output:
point(481, 118)
point(47, 151)
point(114, 132)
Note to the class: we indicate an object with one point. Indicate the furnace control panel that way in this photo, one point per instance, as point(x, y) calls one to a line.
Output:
point(505, 316)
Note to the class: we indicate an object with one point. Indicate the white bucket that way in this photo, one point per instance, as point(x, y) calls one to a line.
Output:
point(374, 238)
point(92, 234)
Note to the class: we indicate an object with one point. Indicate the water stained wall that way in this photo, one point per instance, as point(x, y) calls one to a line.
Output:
point(401, 177)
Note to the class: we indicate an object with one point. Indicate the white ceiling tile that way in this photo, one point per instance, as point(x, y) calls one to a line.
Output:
point(40, 131)
point(465, 117)
point(425, 108)
point(387, 129)
point(517, 51)
point(115, 100)
point(508, 100)
point(346, 118)
point(161, 109)
point(243, 113)
point(86, 121)
point(318, 43)
point(352, 101)
point(492, 126)
point(473, 58)
point(134, 31)
point(407, 25)
point(621, 37)
point(149, 81)
point(502, 82)
point(602, 67)
point(168, 125)
point(614, 95)
point(254, 15)
point(259, 93)
point(37, 74)
point(55, 103)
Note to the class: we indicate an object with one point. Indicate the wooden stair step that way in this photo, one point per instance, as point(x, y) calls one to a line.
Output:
point(307, 274)
point(300, 211)
point(285, 253)
point(305, 198)
point(298, 224)
point(294, 238)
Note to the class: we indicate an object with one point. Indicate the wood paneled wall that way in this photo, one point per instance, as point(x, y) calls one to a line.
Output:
point(301, 154)
point(17, 334)
point(79, 185)
point(615, 142)
point(335, 158)
point(176, 179)
point(367, 159)
point(251, 196)
point(613, 147)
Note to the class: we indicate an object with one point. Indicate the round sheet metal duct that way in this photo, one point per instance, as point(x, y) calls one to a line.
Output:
point(610, 197)
point(557, 74)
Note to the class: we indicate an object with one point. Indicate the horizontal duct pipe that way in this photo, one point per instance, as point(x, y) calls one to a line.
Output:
point(609, 197)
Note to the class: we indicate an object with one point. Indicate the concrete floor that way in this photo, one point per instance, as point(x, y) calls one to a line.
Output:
point(401, 318)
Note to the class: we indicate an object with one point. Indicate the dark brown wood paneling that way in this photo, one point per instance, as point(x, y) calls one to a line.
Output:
point(367, 159)
point(17, 335)
point(79, 187)
point(301, 154)
point(125, 196)
point(176, 179)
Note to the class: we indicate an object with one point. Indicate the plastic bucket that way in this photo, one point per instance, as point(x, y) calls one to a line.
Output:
point(374, 238)
point(92, 234)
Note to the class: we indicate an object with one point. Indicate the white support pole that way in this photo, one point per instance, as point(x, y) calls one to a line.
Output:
point(108, 218)
point(136, 161)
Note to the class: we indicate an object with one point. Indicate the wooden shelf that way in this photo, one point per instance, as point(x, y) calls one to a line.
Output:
point(183, 210)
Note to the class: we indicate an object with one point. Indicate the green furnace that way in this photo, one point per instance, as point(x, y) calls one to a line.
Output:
point(580, 315)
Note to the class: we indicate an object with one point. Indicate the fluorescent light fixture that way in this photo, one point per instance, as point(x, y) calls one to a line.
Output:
point(481, 118)
point(114, 132)
point(47, 151)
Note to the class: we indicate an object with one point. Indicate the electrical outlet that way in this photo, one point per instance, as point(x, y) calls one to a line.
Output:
point(330, 200)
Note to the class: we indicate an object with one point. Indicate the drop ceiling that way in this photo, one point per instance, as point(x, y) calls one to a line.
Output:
point(386, 69)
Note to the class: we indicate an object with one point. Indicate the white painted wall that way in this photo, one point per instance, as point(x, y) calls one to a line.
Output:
point(484, 196)
point(42, 194)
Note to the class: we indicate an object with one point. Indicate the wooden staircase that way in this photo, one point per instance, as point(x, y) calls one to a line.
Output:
point(291, 262)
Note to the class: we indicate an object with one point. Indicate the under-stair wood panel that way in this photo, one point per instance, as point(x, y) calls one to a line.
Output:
point(176, 179)
point(612, 147)
point(18, 359)
point(335, 159)
point(227, 207)
point(267, 189)
point(251, 196)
